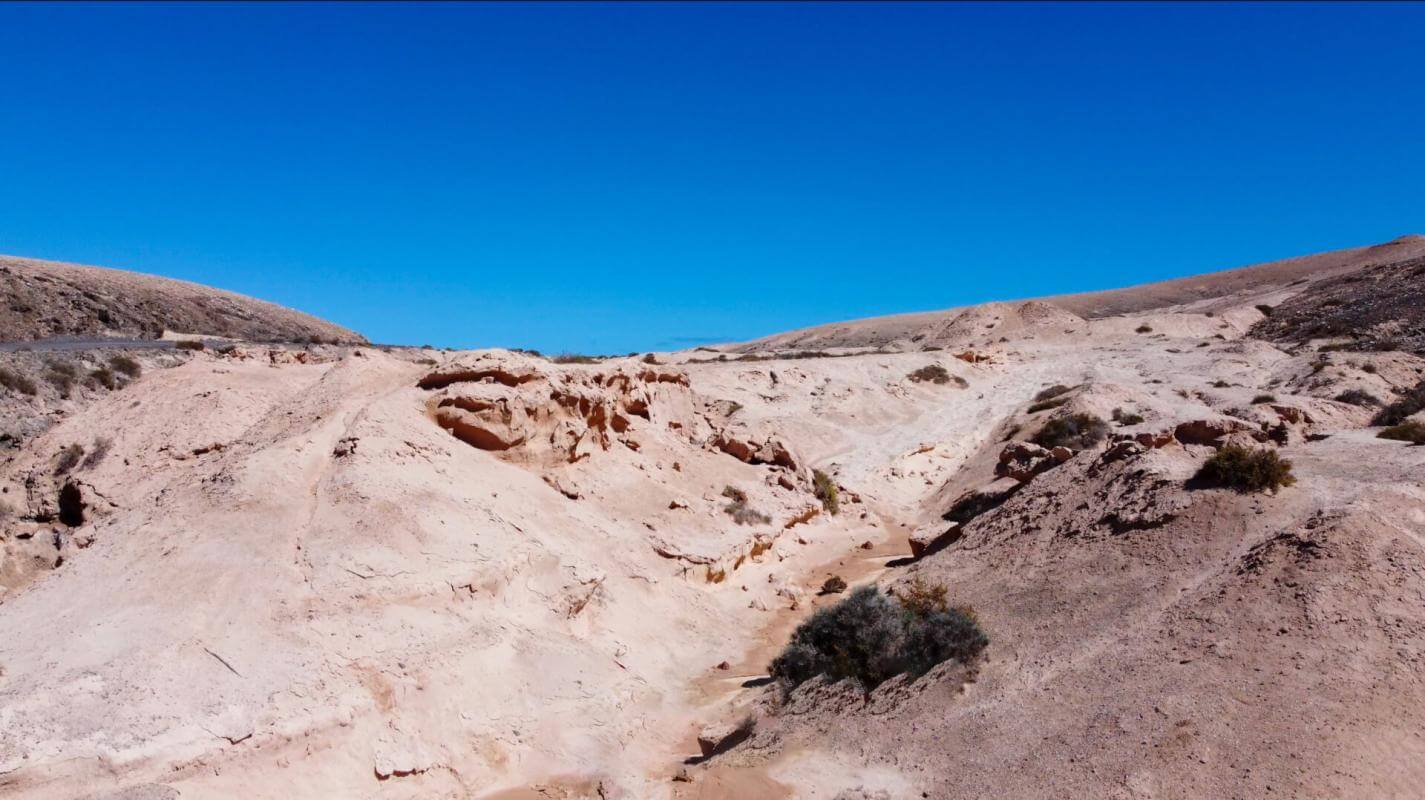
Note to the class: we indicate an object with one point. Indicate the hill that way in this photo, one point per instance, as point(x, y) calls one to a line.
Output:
point(44, 299)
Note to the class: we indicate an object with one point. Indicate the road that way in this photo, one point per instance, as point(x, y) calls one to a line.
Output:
point(65, 344)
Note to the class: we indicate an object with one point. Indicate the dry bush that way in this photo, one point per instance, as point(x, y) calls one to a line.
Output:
point(738, 509)
point(1358, 397)
point(1412, 431)
point(1264, 398)
point(1050, 392)
point(1143, 329)
point(649, 358)
point(833, 585)
point(103, 377)
point(1076, 431)
point(16, 382)
point(573, 358)
point(931, 373)
point(1410, 402)
point(1247, 470)
point(1126, 417)
point(825, 489)
point(190, 344)
point(98, 452)
point(126, 365)
point(870, 637)
point(68, 458)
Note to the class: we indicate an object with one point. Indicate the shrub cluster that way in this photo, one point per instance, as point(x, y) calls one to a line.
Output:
point(871, 637)
point(738, 509)
point(1358, 397)
point(126, 365)
point(932, 373)
point(1411, 431)
point(1126, 417)
point(1411, 401)
point(16, 382)
point(1076, 431)
point(1264, 398)
point(825, 489)
point(1247, 470)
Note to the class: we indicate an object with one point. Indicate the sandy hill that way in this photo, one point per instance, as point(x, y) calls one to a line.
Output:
point(43, 299)
point(1208, 292)
point(350, 572)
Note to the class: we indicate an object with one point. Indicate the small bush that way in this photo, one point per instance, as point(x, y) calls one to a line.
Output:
point(573, 358)
point(825, 489)
point(649, 358)
point(933, 373)
point(1412, 431)
point(1126, 417)
point(1045, 405)
point(738, 509)
point(68, 459)
point(1410, 402)
point(1264, 398)
point(1247, 470)
point(16, 382)
point(1358, 397)
point(98, 452)
point(126, 365)
point(1143, 329)
point(1369, 369)
point(833, 585)
point(1076, 431)
point(190, 344)
point(1051, 392)
point(870, 637)
point(103, 377)
point(920, 597)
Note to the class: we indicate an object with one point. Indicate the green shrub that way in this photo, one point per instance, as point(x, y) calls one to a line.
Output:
point(1412, 431)
point(870, 637)
point(16, 382)
point(126, 365)
point(825, 489)
point(1247, 470)
point(1264, 398)
point(1358, 397)
point(1076, 431)
point(1410, 401)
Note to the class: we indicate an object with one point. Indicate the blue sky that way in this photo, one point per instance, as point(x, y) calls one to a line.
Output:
point(612, 178)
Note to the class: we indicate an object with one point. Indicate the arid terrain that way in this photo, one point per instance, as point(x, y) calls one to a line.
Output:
point(277, 568)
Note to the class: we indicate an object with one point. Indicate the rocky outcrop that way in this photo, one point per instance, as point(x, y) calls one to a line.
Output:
point(931, 538)
point(1023, 460)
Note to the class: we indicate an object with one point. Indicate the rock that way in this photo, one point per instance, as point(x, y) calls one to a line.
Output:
point(1023, 460)
point(1061, 454)
point(976, 502)
point(1155, 439)
point(682, 776)
point(1208, 431)
point(1292, 415)
point(1124, 448)
point(714, 739)
point(723, 665)
point(931, 538)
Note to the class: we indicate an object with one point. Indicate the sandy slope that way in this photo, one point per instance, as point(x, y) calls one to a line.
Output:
point(485, 575)
point(42, 299)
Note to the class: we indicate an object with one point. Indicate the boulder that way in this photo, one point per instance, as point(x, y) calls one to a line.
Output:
point(930, 538)
point(1124, 448)
point(1023, 460)
point(714, 739)
point(1155, 439)
point(978, 501)
point(1208, 431)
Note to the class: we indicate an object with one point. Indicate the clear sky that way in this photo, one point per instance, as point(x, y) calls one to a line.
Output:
point(611, 178)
